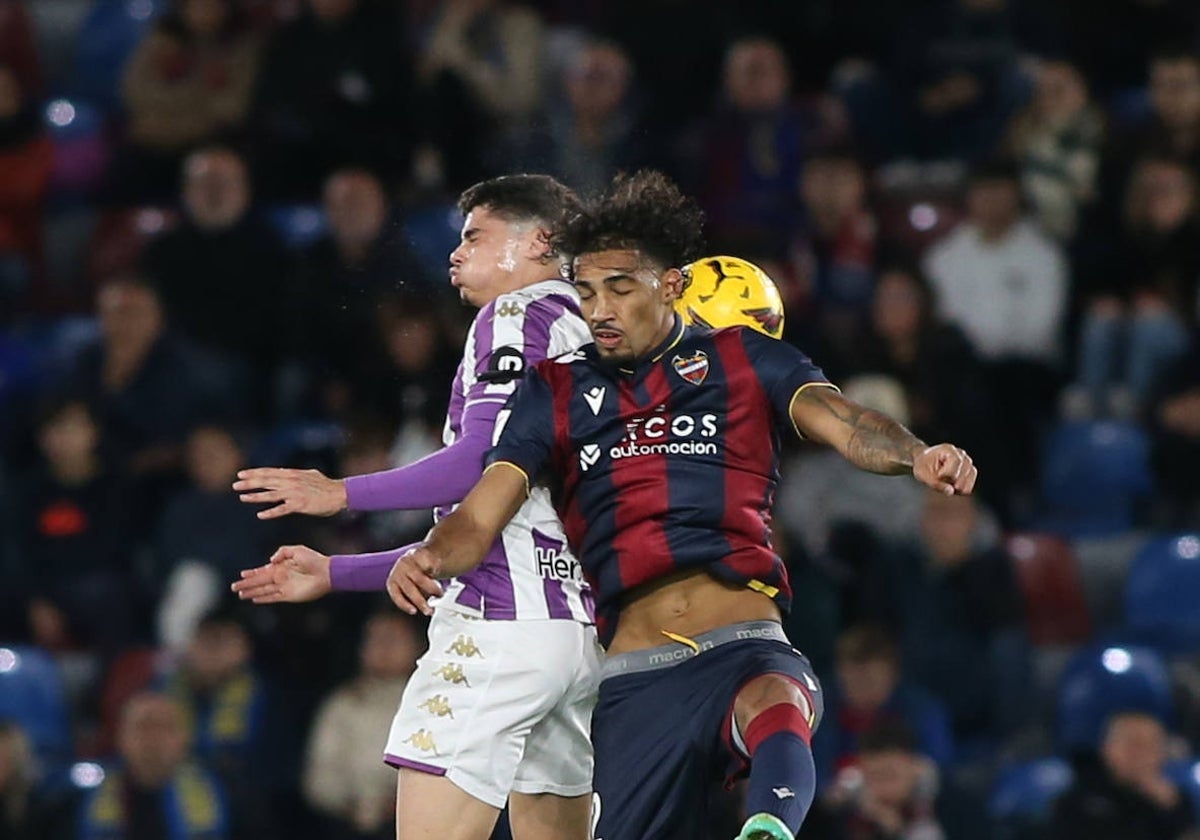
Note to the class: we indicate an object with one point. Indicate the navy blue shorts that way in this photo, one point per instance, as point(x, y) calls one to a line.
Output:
point(663, 737)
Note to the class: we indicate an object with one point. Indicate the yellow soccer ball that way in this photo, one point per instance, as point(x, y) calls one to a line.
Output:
point(730, 292)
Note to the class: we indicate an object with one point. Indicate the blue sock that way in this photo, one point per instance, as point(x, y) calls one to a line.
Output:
point(783, 777)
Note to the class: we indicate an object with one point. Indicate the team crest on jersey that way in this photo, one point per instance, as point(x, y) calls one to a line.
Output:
point(693, 368)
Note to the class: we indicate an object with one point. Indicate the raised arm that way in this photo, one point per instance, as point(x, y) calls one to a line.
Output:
point(876, 443)
point(459, 542)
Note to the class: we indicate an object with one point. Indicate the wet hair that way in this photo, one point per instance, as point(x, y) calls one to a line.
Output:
point(523, 198)
point(642, 212)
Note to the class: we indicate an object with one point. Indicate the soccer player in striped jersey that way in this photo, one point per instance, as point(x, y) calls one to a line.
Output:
point(664, 443)
point(499, 707)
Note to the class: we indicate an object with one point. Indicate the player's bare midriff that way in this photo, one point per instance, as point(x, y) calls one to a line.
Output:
point(686, 604)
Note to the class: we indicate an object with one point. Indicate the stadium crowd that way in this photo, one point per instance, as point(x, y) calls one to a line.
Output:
point(223, 237)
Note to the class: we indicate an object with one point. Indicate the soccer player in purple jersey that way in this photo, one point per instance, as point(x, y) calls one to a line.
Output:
point(663, 441)
point(499, 707)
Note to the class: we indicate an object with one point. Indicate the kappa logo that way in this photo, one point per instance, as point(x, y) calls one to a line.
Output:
point(508, 309)
point(595, 398)
point(452, 674)
point(783, 792)
point(693, 368)
point(439, 706)
point(588, 456)
point(465, 646)
point(422, 739)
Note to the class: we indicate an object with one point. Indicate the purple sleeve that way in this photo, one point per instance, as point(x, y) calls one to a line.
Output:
point(441, 478)
point(363, 572)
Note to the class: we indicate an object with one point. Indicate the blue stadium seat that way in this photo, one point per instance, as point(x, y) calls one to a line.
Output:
point(1162, 593)
point(432, 233)
point(298, 225)
point(1094, 476)
point(32, 694)
point(1024, 793)
point(299, 442)
point(1101, 680)
point(108, 36)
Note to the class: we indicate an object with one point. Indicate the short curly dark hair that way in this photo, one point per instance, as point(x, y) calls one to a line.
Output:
point(643, 212)
point(523, 198)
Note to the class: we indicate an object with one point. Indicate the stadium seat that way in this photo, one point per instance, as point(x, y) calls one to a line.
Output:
point(1023, 794)
point(1162, 594)
point(108, 36)
point(1094, 476)
point(1101, 680)
point(32, 694)
point(1056, 611)
point(297, 225)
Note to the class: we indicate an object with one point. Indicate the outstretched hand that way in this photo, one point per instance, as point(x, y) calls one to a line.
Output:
point(946, 468)
point(413, 581)
point(294, 574)
point(292, 491)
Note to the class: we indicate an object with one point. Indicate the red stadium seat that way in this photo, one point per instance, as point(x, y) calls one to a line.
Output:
point(1056, 610)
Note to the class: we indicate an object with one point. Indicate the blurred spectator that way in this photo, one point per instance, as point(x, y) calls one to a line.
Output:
point(75, 541)
point(948, 87)
point(26, 157)
point(157, 791)
point(342, 279)
point(480, 70)
point(220, 273)
point(943, 383)
point(1056, 142)
point(592, 132)
point(334, 89)
point(146, 384)
point(891, 795)
point(960, 615)
point(836, 252)
point(1004, 283)
point(871, 690)
point(1143, 296)
point(1126, 794)
point(224, 700)
point(24, 814)
point(409, 382)
point(746, 156)
point(344, 777)
point(18, 46)
point(189, 82)
point(206, 523)
point(1175, 426)
point(998, 278)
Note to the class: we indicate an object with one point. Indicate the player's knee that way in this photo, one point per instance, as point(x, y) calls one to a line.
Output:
point(770, 692)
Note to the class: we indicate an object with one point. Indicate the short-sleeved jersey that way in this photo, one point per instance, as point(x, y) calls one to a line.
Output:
point(529, 572)
point(670, 466)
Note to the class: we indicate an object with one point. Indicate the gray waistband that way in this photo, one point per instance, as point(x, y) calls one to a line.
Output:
point(651, 659)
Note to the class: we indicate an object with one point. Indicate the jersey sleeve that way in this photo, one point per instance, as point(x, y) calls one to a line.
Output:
point(525, 427)
point(783, 370)
point(512, 334)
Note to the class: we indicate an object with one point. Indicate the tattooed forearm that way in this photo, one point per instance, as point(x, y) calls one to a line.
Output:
point(868, 439)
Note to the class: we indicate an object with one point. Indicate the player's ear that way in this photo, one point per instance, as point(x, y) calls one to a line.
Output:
point(672, 284)
point(540, 245)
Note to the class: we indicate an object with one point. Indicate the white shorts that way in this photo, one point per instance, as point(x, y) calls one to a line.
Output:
point(501, 706)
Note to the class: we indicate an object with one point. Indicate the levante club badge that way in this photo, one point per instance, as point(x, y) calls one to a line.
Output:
point(693, 368)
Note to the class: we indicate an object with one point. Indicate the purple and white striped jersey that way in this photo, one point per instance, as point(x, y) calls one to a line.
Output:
point(529, 572)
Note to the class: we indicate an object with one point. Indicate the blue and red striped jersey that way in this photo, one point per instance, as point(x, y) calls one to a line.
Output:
point(669, 466)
